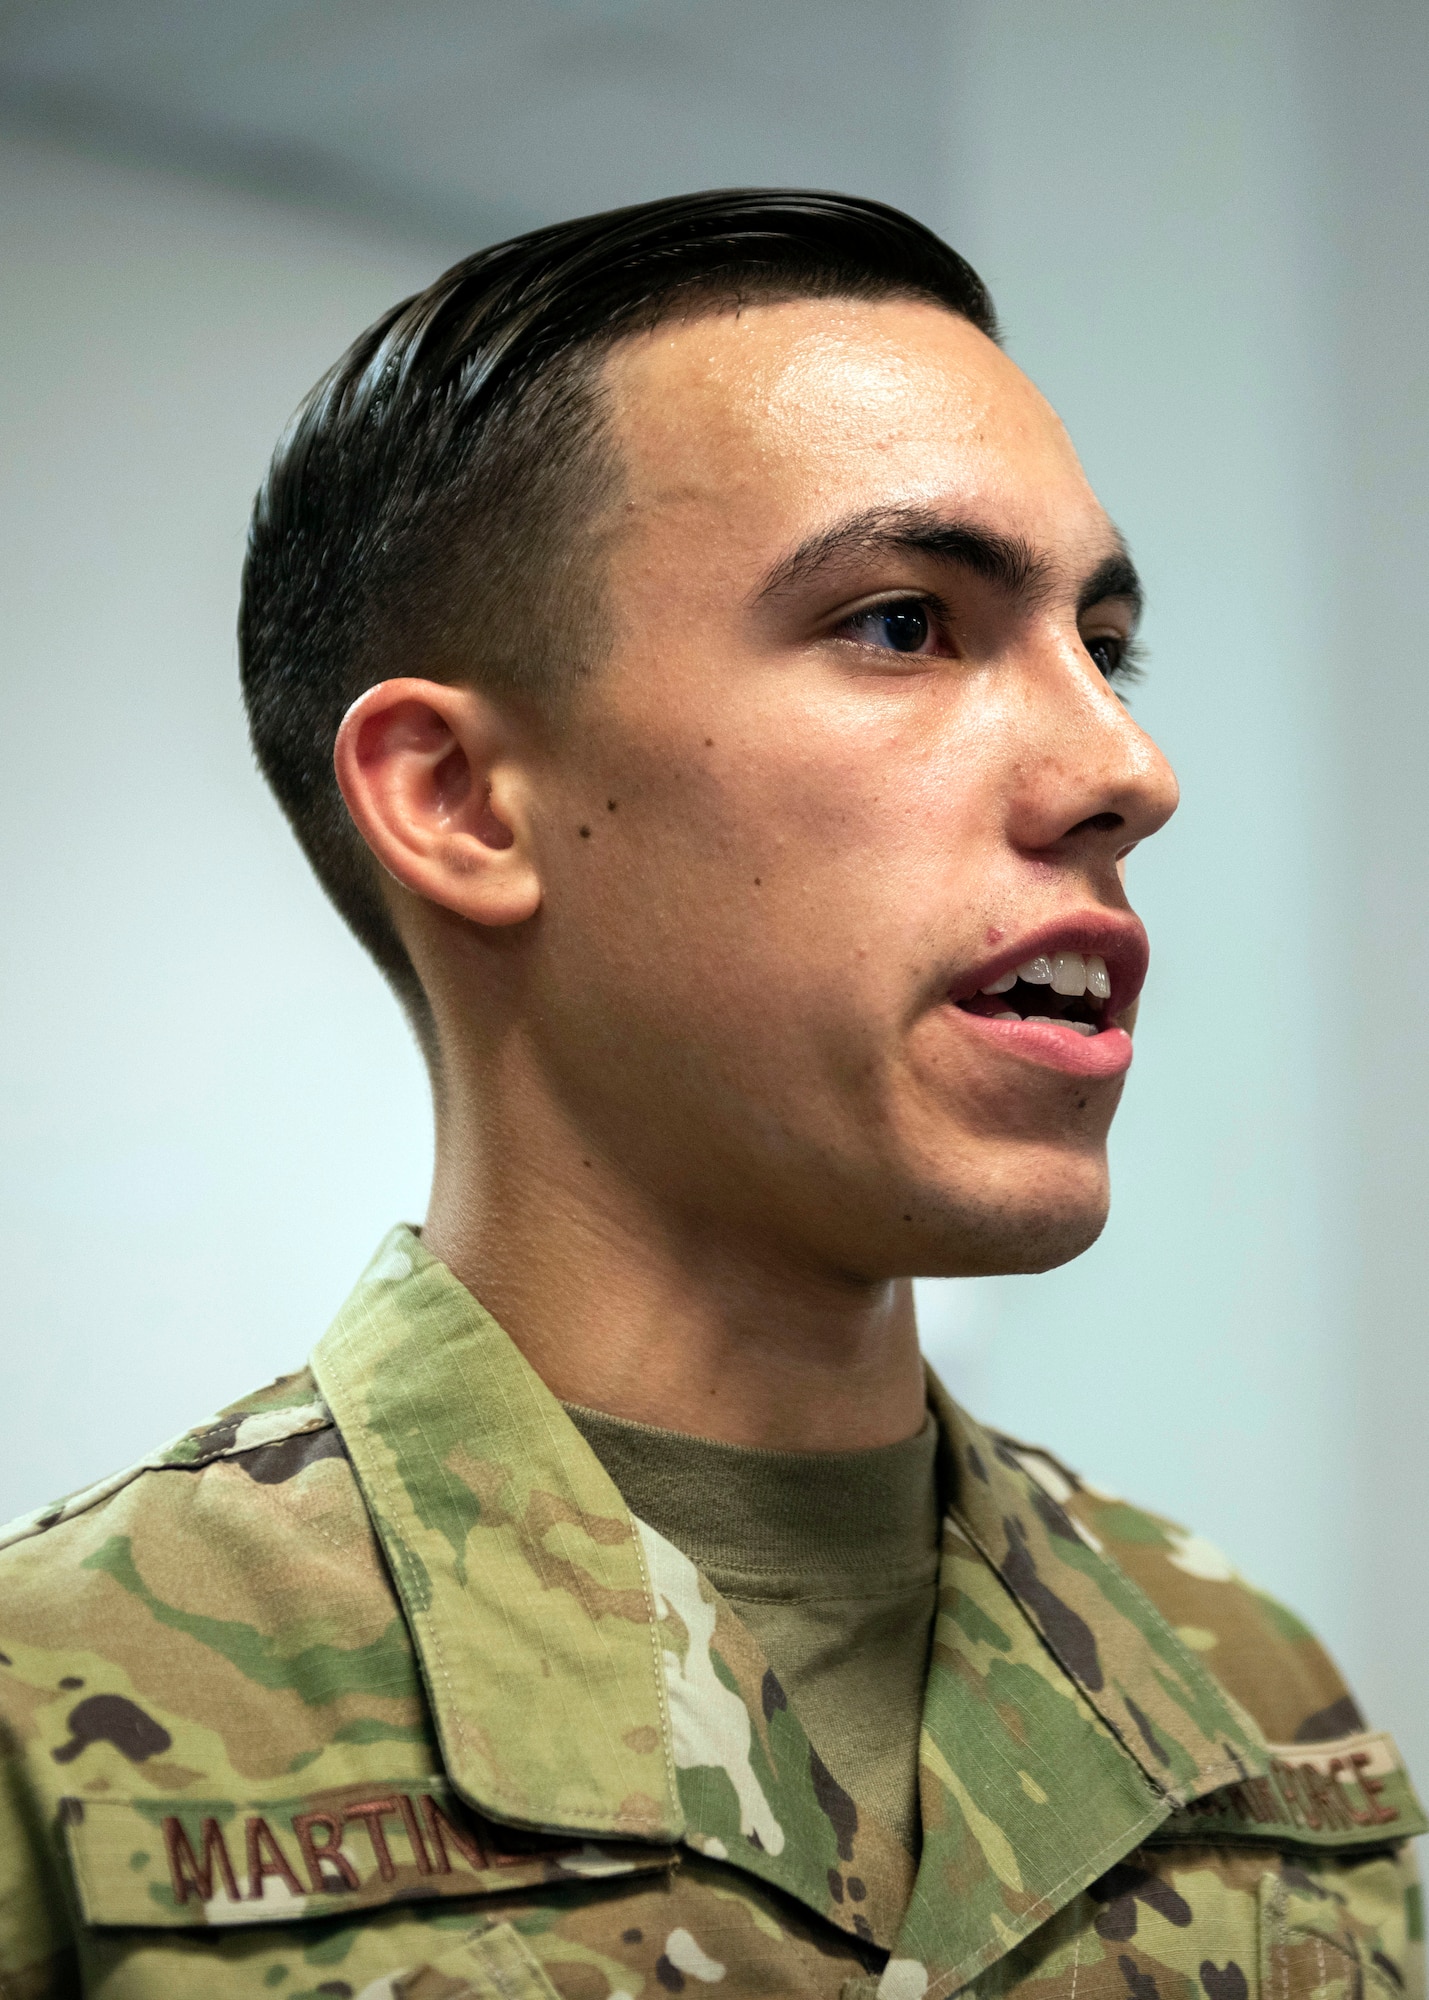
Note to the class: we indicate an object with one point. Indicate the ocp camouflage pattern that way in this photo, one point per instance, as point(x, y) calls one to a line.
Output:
point(373, 1686)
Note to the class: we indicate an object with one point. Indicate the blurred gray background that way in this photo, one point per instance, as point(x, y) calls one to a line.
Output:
point(1207, 229)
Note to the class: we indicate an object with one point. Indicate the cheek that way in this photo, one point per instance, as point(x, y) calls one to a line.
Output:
point(756, 882)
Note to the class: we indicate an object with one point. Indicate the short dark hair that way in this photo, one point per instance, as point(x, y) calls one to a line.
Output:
point(433, 491)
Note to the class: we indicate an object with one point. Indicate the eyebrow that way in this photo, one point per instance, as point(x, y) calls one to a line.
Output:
point(1008, 561)
point(1114, 577)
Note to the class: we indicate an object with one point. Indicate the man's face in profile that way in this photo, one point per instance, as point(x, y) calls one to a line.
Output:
point(857, 753)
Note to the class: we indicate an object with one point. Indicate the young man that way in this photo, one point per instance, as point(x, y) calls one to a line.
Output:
point(688, 651)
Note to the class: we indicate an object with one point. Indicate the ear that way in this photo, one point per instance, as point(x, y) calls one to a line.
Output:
point(432, 777)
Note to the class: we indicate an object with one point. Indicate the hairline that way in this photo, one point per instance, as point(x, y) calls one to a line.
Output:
point(587, 365)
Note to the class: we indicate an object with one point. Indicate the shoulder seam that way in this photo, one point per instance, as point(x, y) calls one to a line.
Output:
point(262, 1427)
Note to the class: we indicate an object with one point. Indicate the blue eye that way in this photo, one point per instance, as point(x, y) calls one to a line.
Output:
point(896, 628)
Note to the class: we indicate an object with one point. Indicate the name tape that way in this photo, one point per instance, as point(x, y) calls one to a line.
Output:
point(225, 1862)
point(1350, 1792)
point(437, 1846)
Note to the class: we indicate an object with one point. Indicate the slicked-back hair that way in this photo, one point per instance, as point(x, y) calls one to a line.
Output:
point(432, 507)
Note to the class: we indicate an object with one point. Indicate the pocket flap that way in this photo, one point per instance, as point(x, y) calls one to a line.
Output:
point(217, 1861)
point(491, 1965)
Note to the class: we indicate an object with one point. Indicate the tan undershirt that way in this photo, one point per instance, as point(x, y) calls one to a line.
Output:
point(830, 1558)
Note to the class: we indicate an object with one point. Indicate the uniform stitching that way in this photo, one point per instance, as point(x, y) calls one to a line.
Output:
point(657, 1657)
point(518, 1971)
point(1345, 1946)
point(312, 1420)
point(377, 1476)
point(1224, 1769)
point(1111, 1850)
point(79, 1861)
point(43, 1519)
point(1228, 1765)
point(520, 1807)
point(1280, 1937)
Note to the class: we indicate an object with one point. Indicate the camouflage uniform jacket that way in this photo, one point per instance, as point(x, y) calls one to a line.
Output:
point(375, 1687)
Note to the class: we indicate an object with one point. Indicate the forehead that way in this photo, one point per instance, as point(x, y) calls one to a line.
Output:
point(756, 422)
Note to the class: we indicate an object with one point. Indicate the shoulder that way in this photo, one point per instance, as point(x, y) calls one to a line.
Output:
point(211, 1620)
point(1259, 1651)
point(237, 1520)
point(270, 1421)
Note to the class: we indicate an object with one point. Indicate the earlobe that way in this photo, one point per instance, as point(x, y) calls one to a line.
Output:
point(433, 780)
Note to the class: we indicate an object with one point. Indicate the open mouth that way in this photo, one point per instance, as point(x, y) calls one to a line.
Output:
point(1062, 989)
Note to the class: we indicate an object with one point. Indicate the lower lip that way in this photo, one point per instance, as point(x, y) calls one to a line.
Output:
point(1107, 1053)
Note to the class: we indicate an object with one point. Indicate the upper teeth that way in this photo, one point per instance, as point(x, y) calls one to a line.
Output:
point(1066, 972)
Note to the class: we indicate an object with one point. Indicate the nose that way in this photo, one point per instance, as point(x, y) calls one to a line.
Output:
point(1101, 785)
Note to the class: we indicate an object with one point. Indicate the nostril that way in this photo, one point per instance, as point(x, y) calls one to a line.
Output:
point(1106, 822)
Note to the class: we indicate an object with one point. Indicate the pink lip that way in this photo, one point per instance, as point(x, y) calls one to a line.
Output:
point(1106, 1054)
point(1120, 940)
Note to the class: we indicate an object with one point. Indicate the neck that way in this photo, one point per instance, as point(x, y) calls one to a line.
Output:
point(624, 1305)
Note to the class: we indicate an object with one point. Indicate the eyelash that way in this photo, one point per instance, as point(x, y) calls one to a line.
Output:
point(1128, 671)
point(937, 615)
point(1130, 667)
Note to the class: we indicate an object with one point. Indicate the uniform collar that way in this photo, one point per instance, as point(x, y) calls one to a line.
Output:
point(583, 1676)
point(586, 1679)
point(521, 1576)
point(1063, 1722)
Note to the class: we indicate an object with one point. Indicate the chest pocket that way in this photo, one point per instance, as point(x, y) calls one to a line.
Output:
point(493, 1965)
point(1317, 1843)
point(1334, 1935)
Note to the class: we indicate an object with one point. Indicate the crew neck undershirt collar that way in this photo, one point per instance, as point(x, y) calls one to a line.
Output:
point(779, 1522)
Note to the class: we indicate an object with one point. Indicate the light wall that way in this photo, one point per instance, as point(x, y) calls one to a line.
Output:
point(211, 1109)
point(211, 1106)
point(1371, 88)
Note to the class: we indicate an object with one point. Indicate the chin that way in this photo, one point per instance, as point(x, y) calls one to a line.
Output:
point(1045, 1242)
point(1046, 1220)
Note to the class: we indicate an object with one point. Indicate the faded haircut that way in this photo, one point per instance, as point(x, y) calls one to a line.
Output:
point(432, 507)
